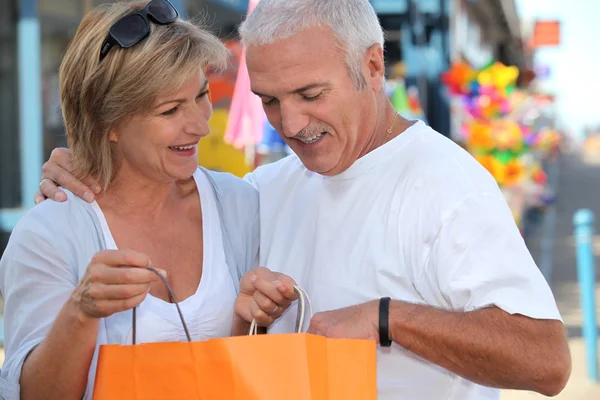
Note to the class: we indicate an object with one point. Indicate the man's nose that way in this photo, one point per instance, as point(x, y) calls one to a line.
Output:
point(293, 120)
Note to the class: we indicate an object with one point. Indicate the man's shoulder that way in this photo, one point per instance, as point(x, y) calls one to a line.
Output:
point(432, 149)
point(440, 164)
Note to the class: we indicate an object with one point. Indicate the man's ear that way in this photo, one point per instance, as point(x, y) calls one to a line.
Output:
point(375, 67)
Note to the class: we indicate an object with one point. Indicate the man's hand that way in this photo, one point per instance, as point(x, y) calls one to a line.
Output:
point(356, 322)
point(57, 171)
point(264, 296)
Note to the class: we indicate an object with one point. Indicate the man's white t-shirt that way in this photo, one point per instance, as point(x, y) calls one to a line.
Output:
point(418, 220)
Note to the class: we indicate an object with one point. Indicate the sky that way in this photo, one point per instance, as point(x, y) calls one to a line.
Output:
point(575, 64)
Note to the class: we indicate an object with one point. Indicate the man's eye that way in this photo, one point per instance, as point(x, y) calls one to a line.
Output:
point(313, 98)
point(270, 102)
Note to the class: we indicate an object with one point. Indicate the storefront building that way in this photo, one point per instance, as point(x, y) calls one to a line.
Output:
point(34, 35)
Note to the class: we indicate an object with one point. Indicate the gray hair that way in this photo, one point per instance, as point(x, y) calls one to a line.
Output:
point(354, 24)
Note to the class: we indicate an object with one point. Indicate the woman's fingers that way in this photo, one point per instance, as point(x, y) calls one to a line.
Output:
point(110, 307)
point(102, 292)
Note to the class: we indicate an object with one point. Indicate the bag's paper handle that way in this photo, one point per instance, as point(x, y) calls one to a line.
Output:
point(173, 299)
point(303, 299)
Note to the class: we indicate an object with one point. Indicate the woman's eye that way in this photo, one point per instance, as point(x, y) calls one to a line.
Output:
point(171, 111)
point(203, 94)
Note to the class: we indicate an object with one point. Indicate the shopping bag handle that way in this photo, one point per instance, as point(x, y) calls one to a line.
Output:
point(173, 299)
point(303, 299)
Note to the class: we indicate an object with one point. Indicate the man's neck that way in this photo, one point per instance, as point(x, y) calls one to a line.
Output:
point(388, 121)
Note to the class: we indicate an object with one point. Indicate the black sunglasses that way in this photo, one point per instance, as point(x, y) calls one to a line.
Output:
point(133, 28)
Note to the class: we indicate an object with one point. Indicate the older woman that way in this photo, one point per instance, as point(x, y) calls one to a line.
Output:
point(136, 103)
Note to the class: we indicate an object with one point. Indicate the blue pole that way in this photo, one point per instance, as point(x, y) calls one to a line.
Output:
point(30, 100)
point(584, 233)
point(30, 111)
point(30, 115)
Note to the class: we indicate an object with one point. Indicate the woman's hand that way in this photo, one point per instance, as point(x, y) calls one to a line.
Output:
point(264, 296)
point(114, 281)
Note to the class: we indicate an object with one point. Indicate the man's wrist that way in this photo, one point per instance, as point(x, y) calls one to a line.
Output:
point(401, 322)
point(384, 322)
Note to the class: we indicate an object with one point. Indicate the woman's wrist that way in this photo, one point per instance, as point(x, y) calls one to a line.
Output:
point(75, 313)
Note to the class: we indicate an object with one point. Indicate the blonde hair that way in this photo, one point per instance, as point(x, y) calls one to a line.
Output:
point(97, 96)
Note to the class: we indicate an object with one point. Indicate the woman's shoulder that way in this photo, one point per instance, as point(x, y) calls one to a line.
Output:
point(231, 189)
point(227, 181)
point(55, 218)
point(238, 204)
point(63, 235)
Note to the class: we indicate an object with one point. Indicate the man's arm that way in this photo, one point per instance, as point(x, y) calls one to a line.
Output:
point(487, 346)
point(477, 260)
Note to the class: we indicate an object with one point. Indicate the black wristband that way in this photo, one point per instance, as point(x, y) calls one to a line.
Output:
point(384, 322)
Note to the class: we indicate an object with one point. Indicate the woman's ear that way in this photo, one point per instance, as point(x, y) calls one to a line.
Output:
point(112, 136)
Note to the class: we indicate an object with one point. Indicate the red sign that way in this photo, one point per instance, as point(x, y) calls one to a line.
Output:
point(546, 34)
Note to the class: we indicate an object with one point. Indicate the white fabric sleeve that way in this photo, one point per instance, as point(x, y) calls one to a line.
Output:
point(479, 259)
point(250, 177)
point(36, 281)
point(255, 240)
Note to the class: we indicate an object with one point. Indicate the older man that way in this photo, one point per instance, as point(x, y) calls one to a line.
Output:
point(396, 233)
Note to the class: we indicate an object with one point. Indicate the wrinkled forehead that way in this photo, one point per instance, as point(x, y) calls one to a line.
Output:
point(294, 62)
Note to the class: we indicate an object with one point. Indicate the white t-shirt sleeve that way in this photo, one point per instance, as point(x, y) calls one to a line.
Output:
point(36, 281)
point(479, 259)
point(251, 179)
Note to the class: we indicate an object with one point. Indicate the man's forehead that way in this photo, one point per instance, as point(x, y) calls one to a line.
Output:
point(279, 78)
point(284, 67)
point(268, 59)
point(294, 71)
point(289, 88)
point(304, 46)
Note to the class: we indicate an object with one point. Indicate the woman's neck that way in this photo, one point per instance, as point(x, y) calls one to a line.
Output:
point(138, 195)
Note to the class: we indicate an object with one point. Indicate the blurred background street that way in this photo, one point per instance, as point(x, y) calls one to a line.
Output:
point(578, 186)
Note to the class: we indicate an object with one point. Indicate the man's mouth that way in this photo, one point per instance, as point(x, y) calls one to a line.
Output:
point(312, 139)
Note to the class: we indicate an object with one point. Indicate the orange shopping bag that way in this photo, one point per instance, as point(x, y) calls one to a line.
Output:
point(295, 366)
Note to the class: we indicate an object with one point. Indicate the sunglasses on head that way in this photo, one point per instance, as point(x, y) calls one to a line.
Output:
point(134, 27)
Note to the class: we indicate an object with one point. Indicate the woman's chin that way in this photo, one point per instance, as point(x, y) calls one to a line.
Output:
point(184, 172)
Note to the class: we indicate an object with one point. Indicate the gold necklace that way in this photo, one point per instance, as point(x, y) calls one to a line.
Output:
point(389, 131)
